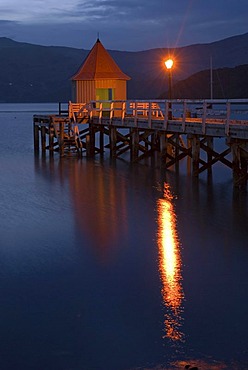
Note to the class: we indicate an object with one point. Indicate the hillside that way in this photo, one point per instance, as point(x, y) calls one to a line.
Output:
point(228, 83)
point(33, 73)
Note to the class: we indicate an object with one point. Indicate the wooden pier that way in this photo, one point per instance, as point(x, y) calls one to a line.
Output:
point(173, 129)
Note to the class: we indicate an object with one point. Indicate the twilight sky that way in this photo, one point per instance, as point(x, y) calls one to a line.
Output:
point(122, 24)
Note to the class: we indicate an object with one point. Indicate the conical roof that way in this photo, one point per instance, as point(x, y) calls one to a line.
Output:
point(99, 65)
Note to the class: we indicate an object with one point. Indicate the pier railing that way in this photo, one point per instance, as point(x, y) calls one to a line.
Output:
point(228, 112)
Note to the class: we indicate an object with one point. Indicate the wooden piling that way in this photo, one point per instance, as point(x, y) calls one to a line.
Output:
point(240, 164)
point(36, 138)
point(162, 147)
point(43, 138)
point(134, 141)
point(88, 145)
point(92, 141)
point(243, 172)
point(195, 155)
point(189, 158)
point(51, 137)
point(177, 152)
point(210, 145)
point(101, 140)
point(61, 138)
point(154, 140)
point(112, 131)
point(235, 164)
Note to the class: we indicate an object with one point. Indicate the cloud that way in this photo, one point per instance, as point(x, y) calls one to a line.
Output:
point(124, 25)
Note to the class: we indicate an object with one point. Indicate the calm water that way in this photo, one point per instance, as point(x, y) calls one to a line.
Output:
point(109, 266)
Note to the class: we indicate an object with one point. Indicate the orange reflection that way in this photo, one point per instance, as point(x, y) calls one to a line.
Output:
point(170, 265)
point(99, 198)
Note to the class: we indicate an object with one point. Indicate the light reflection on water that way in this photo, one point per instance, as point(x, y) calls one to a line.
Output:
point(170, 265)
point(62, 309)
point(96, 193)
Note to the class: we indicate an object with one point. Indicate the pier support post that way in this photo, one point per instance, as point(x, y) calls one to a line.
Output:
point(189, 158)
point(90, 142)
point(162, 148)
point(177, 152)
point(210, 145)
point(147, 144)
point(101, 140)
point(36, 139)
point(236, 164)
point(154, 141)
point(87, 145)
point(240, 165)
point(134, 136)
point(51, 137)
point(43, 139)
point(195, 155)
point(112, 137)
point(244, 166)
point(168, 154)
point(61, 139)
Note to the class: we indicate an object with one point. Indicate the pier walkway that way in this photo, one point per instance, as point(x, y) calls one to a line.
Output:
point(173, 128)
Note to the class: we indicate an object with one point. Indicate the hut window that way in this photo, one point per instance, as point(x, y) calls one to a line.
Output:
point(110, 94)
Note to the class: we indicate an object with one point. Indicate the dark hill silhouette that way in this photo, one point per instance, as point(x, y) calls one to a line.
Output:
point(34, 73)
point(228, 83)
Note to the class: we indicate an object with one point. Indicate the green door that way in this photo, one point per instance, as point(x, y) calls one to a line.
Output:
point(105, 94)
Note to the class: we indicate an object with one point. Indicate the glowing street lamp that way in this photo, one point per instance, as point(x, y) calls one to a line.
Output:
point(169, 64)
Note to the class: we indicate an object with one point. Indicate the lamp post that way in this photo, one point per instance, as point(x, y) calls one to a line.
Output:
point(169, 64)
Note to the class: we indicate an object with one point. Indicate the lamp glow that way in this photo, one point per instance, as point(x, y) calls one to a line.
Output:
point(169, 63)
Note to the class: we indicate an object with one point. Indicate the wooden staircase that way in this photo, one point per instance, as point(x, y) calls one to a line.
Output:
point(68, 137)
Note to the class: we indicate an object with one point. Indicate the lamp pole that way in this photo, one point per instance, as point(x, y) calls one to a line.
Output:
point(169, 64)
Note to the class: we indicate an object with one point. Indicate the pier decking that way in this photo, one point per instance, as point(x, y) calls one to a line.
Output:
point(174, 129)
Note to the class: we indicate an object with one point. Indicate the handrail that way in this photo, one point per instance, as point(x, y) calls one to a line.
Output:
point(205, 111)
point(78, 110)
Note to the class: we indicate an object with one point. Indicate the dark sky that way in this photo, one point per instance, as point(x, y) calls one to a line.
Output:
point(122, 24)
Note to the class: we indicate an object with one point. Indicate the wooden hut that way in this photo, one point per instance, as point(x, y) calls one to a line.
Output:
point(99, 78)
